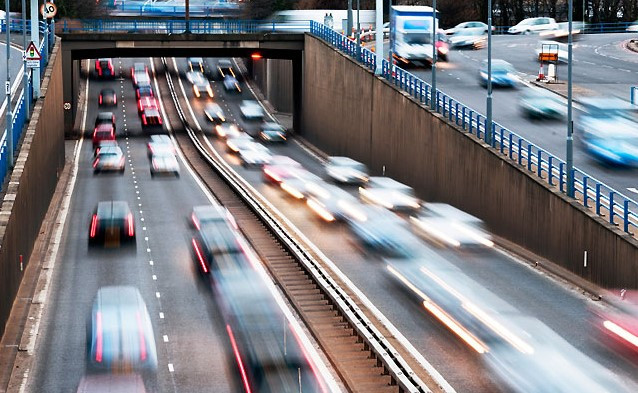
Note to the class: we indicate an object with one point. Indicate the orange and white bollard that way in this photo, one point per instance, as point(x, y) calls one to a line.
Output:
point(541, 74)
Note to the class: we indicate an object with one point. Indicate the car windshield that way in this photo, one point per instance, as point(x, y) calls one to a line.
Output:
point(417, 38)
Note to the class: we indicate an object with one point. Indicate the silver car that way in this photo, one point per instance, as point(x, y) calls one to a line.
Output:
point(164, 162)
point(389, 193)
point(346, 170)
point(251, 110)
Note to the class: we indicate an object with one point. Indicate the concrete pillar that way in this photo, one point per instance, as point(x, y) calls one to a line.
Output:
point(297, 93)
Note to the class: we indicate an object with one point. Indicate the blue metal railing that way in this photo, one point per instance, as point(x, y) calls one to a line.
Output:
point(607, 202)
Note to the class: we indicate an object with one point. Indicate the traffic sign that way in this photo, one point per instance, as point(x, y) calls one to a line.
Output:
point(48, 10)
point(32, 56)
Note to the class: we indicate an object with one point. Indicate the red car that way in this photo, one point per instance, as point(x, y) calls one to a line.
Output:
point(103, 132)
point(104, 68)
point(151, 117)
point(146, 102)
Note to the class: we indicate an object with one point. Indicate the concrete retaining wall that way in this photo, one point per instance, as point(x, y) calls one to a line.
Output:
point(31, 184)
point(348, 111)
point(274, 78)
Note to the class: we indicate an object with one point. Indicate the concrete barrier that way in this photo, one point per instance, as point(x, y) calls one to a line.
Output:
point(348, 111)
point(31, 184)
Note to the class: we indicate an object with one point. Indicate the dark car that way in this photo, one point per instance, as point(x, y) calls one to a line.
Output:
point(105, 118)
point(109, 159)
point(104, 68)
point(216, 239)
point(112, 222)
point(108, 383)
point(225, 68)
point(120, 334)
point(272, 132)
point(107, 97)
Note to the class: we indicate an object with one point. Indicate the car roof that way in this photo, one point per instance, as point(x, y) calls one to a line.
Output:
point(450, 212)
point(113, 209)
point(386, 182)
point(209, 212)
point(195, 59)
point(284, 160)
point(607, 103)
point(105, 115)
point(271, 125)
point(110, 149)
point(343, 160)
point(213, 105)
point(138, 64)
point(161, 139)
point(104, 59)
point(220, 238)
point(151, 112)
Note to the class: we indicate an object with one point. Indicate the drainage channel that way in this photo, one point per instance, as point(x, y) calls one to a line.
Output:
point(359, 352)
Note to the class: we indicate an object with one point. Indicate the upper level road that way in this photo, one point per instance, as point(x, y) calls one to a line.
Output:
point(15, 72)
point(561, 308)
point(602, 66)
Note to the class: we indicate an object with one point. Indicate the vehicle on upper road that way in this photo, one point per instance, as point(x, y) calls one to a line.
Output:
point(389, 193)
point(151, 118)
point(109, 159)
point(120, 334)
point(346, 170)
point(147, 102)
point(107, 383)
point(473, 26)
point(235, 143)
point(411, 34)
point(231, 84)
point(160, 142)
point(251, 110)
point(103, 132)
point(554, 48)
point(503, 74)
point(107, 97)
point(163, 161)
point(211, 214)
point(104, 68)
point(562, 32)
point(632, 28)
point(537, 103)
point(214, 113)
point(279, 168)
point(253, 154)
point(201, 85)
point(224, 69)
point(112, 223)
point(196, 64)
point(144, 91)
point(533, 25)
point(227, 130)
point(105, 118)
point(272, 132)
point(609, 130)
point(446, 225)
point(468, 38)
point(332, 203)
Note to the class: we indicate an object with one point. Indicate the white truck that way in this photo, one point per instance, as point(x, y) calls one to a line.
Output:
point(411, 35)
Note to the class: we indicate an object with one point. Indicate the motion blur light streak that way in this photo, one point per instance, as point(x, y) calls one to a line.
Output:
point(473, 234)
point(93, 225)
point(622, 333)
point(129, 219)
point(240, 363)
point(308, 360)
point(99, 344)
point(435, 232)
point(140, 331)
point(272, 175)
point(320, 210)
point(292, 191)
point(200, 257)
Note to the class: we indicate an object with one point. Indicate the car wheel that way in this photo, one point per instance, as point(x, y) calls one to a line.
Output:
point(527, 32)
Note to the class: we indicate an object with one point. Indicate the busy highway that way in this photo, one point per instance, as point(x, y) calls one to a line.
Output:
point(603, 67)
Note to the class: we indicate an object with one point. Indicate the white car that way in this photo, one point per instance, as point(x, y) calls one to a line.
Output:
point(346, 170)
point(163, 162)
point(251, 110)
point(390, 194)
point(227, 130)
point(236, 143)
point(534, 25)
point(214, 113)
point(633, 27)
point(444, 224)
point(332, 203)
point(253, 154)
point(201, 85)
point(479, 27)
point(300, 184)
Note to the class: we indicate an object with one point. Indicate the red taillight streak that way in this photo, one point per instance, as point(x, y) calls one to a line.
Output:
point(200, 257)
point(240, 363)
point(131, 228)
point(100, 100)
point(154, 164)
point(144, 119)
point(195, 221)
point(114, 98)
point(159, 120)
point(97, 160)
point(140, 331)
point(99, 344)
point(93, 225)
point(310, 362)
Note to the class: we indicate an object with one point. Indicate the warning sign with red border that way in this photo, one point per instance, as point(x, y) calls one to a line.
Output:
point(32, 56)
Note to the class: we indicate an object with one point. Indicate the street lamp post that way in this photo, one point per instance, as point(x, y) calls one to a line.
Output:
point(570, 122)
point(489, 119)
point(433, 98)
point(378, 70)
point(25, 77)
point(349, 24)
point(8, 92)
point(358, 30)
point(35, 37)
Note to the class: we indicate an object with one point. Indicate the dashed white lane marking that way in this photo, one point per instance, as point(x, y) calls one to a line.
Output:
point(157, 295)
point(161, 315)
point(633, 189)
point(148, 250)
point(165, 338)
point(150, 262)
point(170, 367)
point(154, 277)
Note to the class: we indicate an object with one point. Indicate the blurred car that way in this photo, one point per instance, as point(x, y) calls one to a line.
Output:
point(389, 193)
point(503, 74)
point(562, 32)
point(251, 110)
point(103, 132)
point(216, 239)
point(141, 78)
point(231, 84)
point(618, 321)
point(112, 223)
point(468, 38)
point(609, 130)
point(346, 170)
point(146, 102)
point(331, 203)
point(474, 26)
point(381, 231)
point(214, 112)
point(227, 130)
point(442, 47)
point(108, 383)
point(120, 333)
point(254, 154)
point(107, 97)
point(632, 28)
point(272, 132)
point(109, 159)
point(103, 143)
point(533, 25)
point(104, 68)
point(163, 162)
point(160, 142)
point(196, 64)
point(236, 143)
point(446, 225)
point(105, 118)
point(207, 214)
point(279, 168)
point(552, 47)
point(151, 118)
point(144, 91)
point(225, 68)
point(201, 85)
point(138, 68)
point(541, 104)
point(299, 183)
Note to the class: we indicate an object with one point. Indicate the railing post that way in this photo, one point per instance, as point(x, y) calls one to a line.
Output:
point(529, 157)
point(539, 163)
point(550, 169)
point(561, 175)
point(585, 196)
point(463, 117)
point(520, 151)
point(598, 185)
point(501, 139)
point(625, 216)
point(510, 142)
point(611, 207)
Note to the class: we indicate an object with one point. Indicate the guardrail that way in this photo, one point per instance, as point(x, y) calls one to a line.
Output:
point(179, 26)
point(605, 201)
point(218, 10)
point(20, 116)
